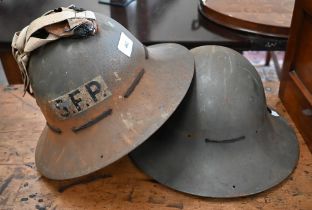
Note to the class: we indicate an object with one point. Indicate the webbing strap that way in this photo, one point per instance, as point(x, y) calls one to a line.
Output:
point(58, 23)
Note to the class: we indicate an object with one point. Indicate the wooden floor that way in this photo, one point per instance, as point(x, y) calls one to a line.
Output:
point(121, 185)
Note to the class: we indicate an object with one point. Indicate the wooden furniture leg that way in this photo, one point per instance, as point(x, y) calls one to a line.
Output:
point(10, 67)
point(276, 64)
point(296, 78)
point(267, 58)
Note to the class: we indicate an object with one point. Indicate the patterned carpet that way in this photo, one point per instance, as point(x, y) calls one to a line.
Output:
point(267, 73)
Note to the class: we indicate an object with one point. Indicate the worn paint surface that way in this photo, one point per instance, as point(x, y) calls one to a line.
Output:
point(120, 185)
point(80, 99)
point(90, 93)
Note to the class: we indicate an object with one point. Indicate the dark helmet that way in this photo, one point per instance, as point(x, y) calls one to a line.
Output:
point(222, 141)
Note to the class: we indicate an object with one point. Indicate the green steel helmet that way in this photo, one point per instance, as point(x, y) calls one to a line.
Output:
point(102, 96)
point(222, 141)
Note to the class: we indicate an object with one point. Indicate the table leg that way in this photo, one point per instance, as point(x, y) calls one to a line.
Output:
point(267, 58)
point(276, 64)
point(10, 67)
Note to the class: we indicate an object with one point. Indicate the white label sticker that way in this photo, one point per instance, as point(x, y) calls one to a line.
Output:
point(125, 44)
point(274, 113)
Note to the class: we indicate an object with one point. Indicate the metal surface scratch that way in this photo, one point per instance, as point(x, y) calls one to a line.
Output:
point(86, 181)
point(5, 184)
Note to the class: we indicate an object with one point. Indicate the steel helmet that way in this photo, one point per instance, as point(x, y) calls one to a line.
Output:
point(222, 141)
point(102, 96)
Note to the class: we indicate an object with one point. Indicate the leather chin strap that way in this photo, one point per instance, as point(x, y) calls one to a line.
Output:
point(51, 26)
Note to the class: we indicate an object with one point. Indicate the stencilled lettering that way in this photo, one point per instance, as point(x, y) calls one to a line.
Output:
point(80, 99)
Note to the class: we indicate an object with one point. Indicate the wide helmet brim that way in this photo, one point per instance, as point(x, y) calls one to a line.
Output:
point(220, 169)
point(168, 74)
